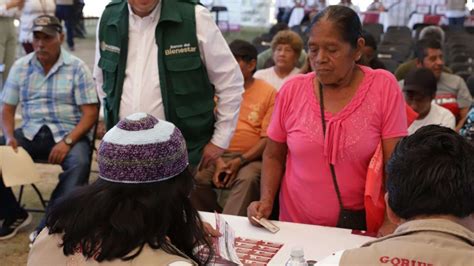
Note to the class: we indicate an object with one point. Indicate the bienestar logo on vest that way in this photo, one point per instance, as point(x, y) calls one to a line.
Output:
point(180, 49)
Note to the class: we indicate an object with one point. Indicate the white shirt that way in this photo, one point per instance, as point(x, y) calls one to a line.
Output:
point(456, 13)
point(270, 76)
point(4, 12)
point(141, 88)
point(31, 10)
point(284, 3)
point(437, 116)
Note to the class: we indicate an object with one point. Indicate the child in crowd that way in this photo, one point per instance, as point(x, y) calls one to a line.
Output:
point(420, 90)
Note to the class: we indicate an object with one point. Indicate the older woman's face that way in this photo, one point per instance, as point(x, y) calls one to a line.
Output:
point(331, 57)
point(284, 56)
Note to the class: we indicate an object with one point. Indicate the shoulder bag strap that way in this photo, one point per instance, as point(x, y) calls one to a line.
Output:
point(331, 166)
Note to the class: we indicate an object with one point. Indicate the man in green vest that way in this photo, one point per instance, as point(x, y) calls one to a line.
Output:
point(169, 59)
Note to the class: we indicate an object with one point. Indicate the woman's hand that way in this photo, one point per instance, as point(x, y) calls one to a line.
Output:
point(259, 209)
point(210, 231)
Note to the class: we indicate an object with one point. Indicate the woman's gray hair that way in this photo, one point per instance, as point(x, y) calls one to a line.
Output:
point(432, 32)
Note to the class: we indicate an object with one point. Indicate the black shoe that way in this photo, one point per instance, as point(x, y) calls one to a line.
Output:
point(12, 225)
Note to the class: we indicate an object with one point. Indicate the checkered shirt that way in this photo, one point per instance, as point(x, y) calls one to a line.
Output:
point(54, 99)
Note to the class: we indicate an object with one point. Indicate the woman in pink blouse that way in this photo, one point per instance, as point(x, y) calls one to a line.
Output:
point(362, 107)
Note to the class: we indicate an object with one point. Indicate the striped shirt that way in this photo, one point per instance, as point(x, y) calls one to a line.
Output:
point(54, 99)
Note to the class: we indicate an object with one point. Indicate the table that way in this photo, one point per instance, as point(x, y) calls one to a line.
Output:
point(318, 241)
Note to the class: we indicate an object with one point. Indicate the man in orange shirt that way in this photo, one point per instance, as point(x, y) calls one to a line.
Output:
point(239, 169)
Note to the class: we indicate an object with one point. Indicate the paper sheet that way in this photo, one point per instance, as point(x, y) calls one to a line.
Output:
point(17, 168)
point(231, 250)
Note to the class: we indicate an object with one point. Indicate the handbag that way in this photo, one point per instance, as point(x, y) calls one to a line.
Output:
point(349, 219)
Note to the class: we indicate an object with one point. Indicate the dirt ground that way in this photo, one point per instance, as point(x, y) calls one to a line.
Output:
point(15, 251)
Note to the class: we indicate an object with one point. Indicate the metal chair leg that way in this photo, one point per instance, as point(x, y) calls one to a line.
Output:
point(40, 196)
point(20, 195)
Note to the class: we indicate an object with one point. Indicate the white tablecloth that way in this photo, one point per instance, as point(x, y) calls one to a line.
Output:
point(318, 241)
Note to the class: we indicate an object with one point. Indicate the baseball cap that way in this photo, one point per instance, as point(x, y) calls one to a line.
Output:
point(47, 24)
point(420, 80)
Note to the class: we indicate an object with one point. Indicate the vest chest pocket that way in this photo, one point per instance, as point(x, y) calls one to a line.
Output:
point(186, 75)
point(109, 72)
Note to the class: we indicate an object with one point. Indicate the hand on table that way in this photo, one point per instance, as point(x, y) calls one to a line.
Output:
point(209, 231)
point(259, 209)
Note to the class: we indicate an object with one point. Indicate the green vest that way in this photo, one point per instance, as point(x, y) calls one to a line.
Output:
point(188, 95)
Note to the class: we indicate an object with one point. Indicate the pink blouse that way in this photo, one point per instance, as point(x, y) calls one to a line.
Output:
point(377, 111)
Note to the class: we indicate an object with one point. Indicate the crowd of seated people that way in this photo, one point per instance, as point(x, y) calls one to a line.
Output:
point(248, 142)
point(452, 92)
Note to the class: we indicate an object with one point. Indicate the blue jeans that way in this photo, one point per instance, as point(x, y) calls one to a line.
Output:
point(456, 23)
point(76, 168)
point(66, 13)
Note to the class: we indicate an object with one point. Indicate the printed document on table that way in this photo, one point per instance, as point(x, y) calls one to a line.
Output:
point(17, 167)
point(226, 242)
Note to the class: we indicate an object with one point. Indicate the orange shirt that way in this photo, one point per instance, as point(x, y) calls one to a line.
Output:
point(255, 114)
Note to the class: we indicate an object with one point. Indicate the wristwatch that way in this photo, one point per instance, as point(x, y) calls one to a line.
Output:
point(67, 139)
point(243, 160)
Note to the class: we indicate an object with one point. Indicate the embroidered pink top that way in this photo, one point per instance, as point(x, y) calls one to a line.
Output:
point(377, 111)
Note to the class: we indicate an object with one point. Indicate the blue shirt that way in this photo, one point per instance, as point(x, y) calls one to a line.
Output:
point(54, 99)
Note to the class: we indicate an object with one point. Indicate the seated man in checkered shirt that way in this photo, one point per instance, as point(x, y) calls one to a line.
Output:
point(59, 107)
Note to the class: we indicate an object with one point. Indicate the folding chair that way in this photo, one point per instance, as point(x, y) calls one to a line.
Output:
point(375, 29)
point(399, 29)
point(390, 64)
point(458, 67)
point(457, 45)
point(396, 38)
point(398, 53)
point(460, 58)
point(465, 74)
point(418, 27)
point(470, 84)
point(261, 43)
point(469, 29)
point(43, 201)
